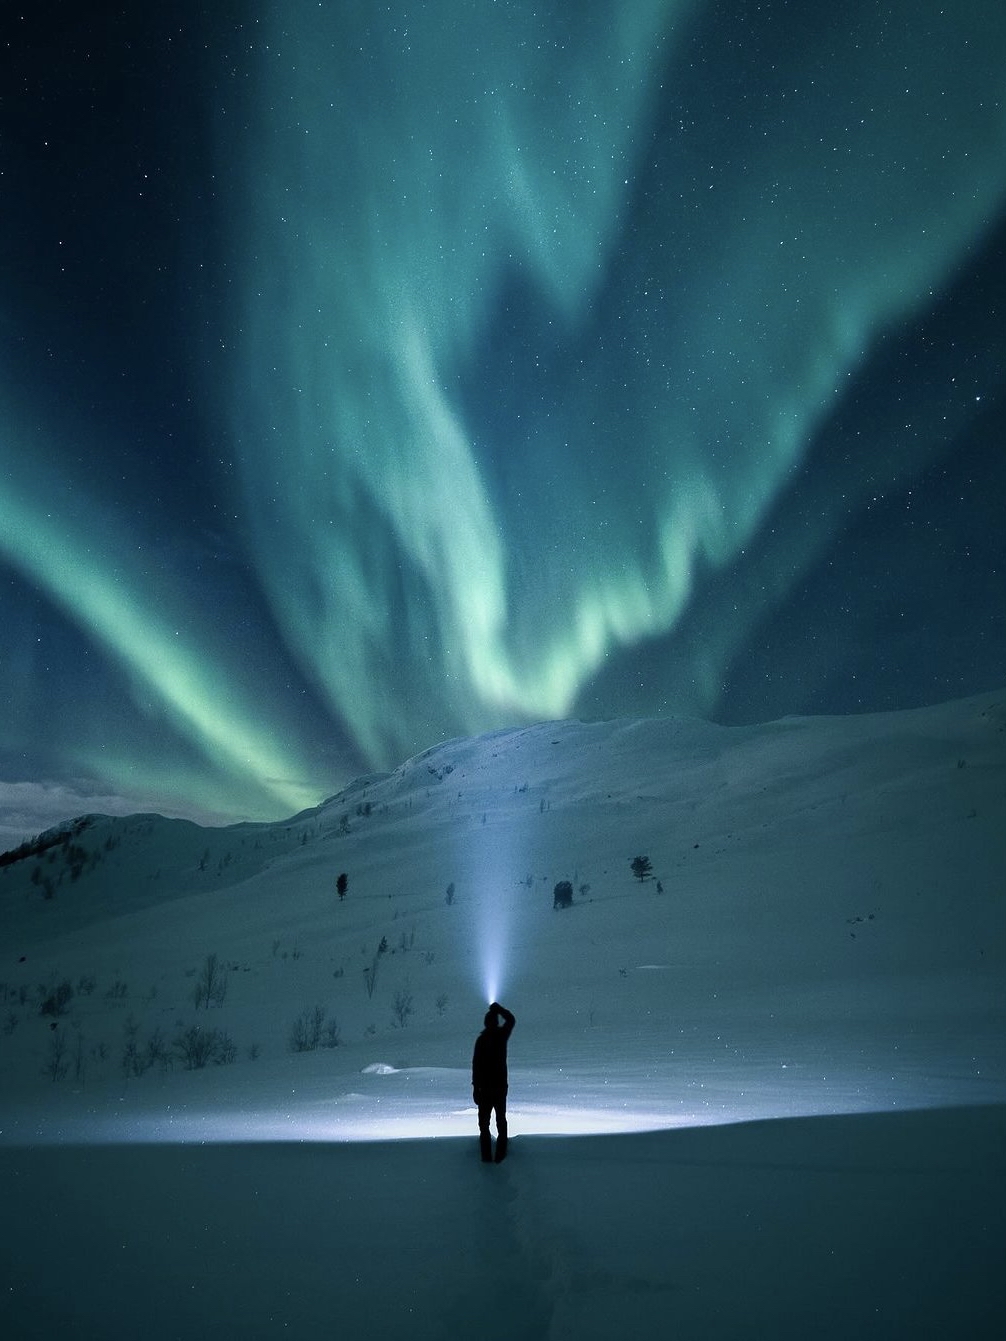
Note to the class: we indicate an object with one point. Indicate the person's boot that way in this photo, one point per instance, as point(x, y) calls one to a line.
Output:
point(486, 1147)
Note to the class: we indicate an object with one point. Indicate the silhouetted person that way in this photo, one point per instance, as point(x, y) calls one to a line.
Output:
point(489, 1078)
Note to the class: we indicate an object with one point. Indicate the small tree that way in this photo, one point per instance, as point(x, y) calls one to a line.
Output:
point(79, 1062)
point(56, 1063)
point(342, 884)
point(370, 973)
point(211, 984)
point(642, 867)
point(131, 1063)
point(403, 1005)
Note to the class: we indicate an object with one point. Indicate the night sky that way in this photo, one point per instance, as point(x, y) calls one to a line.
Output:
point(373, 374)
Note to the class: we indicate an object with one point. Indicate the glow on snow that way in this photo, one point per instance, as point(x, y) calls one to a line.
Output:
point(423, 1103)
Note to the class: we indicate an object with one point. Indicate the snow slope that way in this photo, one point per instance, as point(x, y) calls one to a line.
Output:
point(818, 982)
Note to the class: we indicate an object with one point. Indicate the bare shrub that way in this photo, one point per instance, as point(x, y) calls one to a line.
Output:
point(79, 1058)
point(370, 973)
point(402, 1006)
point(305, 1032)
point(211, 985)
point(312, 1029)
point(332, 1036)
point(137, 1057)
point(156, 1052)
point(226, 1049)
point(195, 1047)
point(56, 1061)
point(133, 1061)
point(199, 1047)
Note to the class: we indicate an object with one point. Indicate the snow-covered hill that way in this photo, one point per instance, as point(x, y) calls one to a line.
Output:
point(822, 931)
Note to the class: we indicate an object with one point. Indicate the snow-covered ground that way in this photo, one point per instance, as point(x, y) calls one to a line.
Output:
point(760, 1093)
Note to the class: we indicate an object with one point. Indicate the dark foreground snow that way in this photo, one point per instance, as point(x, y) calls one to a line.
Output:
point(881, 1226)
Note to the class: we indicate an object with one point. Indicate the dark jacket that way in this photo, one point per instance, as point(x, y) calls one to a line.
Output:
point(489, 1076)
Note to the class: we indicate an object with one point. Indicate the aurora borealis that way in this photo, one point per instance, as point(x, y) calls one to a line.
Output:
point(373, 374)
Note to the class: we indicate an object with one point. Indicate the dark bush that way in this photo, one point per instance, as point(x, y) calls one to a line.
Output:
point(198, 1047)
point(58, 999)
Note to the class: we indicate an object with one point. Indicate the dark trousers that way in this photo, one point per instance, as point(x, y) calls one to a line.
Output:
point(486, 1105)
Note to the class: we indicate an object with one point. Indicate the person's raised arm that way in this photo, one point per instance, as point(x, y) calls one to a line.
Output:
point(509, 1019)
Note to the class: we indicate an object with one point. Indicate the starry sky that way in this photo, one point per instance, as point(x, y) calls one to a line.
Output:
point(377, 373)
